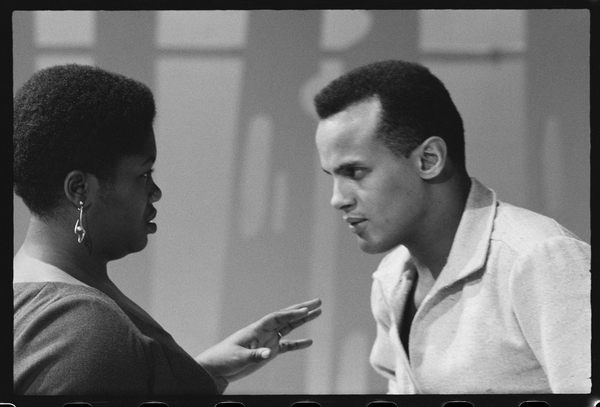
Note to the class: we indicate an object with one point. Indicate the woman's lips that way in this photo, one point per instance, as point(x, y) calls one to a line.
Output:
point(151, 225)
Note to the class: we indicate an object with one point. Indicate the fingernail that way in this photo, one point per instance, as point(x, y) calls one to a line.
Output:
point(265, 354)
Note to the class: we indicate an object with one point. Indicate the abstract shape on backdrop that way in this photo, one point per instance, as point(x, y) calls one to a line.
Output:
point(553, 167)
point(341, 29)
point(280, 204)
point(202, 29)
point(328, 71)
point(353, 364)
point(256, 167)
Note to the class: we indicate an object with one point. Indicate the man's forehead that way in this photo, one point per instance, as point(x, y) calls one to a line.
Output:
point(356, 124)
point(360, 110)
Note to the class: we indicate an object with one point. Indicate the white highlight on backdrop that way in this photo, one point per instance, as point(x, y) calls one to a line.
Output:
point(64, 28)
point(352, 373)
point(280, 194)
point(341, 29)
point(47, 61)
point(486, 31)
point(491, 134)
point(553, 167)
point(319, 361)
point(329, 69)
point(195, 171)
point(256, 169)
point(219, 29)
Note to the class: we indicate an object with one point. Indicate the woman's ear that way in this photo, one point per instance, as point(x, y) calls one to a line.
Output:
point(432, 157)
point(76, 187)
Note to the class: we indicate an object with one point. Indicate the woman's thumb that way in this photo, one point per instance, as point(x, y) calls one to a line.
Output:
point(260, 354)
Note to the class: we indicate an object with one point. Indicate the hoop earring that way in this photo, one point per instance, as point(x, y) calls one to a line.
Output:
point(79, 230)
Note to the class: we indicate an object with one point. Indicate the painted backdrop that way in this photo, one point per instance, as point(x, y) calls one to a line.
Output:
point(244, 225)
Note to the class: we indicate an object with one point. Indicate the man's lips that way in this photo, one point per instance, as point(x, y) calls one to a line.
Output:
point(354, 219)
point(354, 222)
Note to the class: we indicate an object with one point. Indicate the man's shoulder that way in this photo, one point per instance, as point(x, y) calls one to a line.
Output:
point(522, 229)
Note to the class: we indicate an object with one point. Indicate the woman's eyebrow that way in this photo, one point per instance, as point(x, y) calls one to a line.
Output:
point(150, 159)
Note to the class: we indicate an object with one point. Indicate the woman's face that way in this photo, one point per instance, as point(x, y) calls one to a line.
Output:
point(120, 219)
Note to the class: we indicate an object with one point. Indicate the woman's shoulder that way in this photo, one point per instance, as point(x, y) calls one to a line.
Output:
point(55, 292)
point(66, 305)
point(96, 342)
point(93, 338)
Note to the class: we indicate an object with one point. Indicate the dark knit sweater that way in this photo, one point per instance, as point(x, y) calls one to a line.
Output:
point(74, 340)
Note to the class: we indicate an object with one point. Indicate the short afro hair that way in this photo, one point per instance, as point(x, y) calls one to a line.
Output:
point(415, 105)
point(74, 117)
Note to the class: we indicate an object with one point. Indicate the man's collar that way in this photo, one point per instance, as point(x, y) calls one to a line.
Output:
point(471, 242)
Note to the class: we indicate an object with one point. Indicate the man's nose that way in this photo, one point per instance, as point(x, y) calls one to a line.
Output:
point(341, 198)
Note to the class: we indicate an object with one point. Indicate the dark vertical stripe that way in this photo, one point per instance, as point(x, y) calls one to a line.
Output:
point(557, 78)
point(393, 35)
point(271, 270)
point(126, 43)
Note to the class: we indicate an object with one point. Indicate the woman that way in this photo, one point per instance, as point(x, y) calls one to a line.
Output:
point(84, 149)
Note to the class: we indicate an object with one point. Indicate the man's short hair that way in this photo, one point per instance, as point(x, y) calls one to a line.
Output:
point(415, 105)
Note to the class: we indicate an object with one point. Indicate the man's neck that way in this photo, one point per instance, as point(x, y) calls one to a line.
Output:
point(431, 251)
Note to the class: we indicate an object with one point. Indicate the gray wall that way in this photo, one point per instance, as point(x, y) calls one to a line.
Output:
point(244, 226)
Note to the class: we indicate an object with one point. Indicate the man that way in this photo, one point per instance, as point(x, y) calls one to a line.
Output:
point(475, 295)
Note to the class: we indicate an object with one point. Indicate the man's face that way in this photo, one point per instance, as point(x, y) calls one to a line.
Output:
point(381, 195)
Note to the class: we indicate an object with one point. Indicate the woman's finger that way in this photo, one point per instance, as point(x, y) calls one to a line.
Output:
point(311, 305)
point(286, 345)
point(280, 319)
point(290, 326)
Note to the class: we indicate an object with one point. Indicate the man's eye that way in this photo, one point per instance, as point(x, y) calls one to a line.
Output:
point(148, 173)
point(355, 173)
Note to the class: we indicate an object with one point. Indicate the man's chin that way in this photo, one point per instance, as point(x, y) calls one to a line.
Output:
point(369, 247)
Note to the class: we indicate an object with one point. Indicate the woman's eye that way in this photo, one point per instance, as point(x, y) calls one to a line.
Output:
point(148, 173)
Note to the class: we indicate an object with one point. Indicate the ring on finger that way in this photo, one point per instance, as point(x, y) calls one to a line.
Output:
point(280, 335)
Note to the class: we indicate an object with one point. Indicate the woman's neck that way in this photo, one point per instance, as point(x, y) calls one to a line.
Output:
point(50, 253)
point(50, 242)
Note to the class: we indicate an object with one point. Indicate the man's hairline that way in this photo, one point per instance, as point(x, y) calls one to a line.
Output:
point(363, 100)
point(379, 135)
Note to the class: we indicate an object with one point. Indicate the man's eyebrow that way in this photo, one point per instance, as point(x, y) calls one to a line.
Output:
point(344, 167)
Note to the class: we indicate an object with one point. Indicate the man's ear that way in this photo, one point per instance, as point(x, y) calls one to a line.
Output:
point(432, 156)
point(76, 187)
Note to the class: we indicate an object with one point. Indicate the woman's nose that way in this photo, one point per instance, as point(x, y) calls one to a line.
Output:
point(156, 193)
